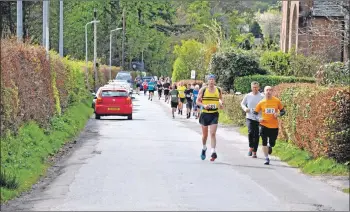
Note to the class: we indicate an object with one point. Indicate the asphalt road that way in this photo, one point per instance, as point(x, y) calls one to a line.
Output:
point(153, 163)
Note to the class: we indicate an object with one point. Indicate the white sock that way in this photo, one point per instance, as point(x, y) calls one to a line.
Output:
point(204, 147)
point(213, 150)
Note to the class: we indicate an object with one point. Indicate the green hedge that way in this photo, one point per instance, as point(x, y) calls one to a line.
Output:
point(242, 84)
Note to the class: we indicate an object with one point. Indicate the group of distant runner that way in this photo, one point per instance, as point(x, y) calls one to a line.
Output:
point(203, 102)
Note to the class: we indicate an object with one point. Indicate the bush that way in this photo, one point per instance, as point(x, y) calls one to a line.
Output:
point(317, 119)
point(229, 65)
point(303, 66)
point(290, 64)
point(242, 84)
point(233, 109)
point(336, 73)
point(276, 62)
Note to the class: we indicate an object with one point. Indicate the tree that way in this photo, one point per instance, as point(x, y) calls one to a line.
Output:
point(270, 23)
point(189, 57)
point(231, 64)
point(255, 29)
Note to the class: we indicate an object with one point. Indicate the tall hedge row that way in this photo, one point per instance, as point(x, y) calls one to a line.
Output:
point(35, 87)
point(317, 119)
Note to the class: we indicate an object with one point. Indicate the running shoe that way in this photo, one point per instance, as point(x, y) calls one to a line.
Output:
point(267, 162)
point(250, 152)
point(213, 156)
point(254, 155)
point(203, 155)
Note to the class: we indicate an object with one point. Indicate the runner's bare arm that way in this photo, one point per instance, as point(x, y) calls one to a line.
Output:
point(220, 97)
point(199, 98)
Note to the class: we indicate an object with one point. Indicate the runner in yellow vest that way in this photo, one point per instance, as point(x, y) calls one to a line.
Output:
point(181, 88)
point(210, 98)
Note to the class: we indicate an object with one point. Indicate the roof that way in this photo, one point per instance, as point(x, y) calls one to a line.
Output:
point(331, 8)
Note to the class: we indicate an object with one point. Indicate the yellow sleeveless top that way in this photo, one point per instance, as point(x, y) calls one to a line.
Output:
point(211, 99)
point(181, 90)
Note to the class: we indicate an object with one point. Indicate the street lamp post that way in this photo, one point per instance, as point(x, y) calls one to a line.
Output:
point(110, 52)
point(86, 51)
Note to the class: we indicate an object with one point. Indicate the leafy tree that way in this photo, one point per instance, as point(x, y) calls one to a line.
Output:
point(255, 29)
point(189, 57)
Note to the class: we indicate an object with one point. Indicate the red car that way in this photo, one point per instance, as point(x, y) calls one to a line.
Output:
point(113, 102)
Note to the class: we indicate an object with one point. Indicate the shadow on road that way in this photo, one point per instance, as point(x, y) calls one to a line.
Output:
point(259, 167)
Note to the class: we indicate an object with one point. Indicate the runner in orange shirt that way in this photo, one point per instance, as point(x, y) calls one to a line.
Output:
point(271, 108)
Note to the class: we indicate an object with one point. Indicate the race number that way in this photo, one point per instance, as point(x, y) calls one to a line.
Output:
point(270, 111)
point(212, 106)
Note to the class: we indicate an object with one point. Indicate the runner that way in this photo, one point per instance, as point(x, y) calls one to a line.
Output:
point(195, 107)
point(174, 95)
point(211, 99)
point(199, 106)
point(248, 105)
point(181, 88)
point(166, 87)
point(269, 107)
point(151, 87)
point(189, 100)
point(145, 87)
point(138, 85)
point(160, 88)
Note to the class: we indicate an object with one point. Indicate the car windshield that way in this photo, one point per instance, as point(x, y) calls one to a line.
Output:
point(123, 77)
point(113, 93)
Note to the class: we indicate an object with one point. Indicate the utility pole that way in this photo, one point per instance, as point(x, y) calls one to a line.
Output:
point(123, 43)
point(47, 26)
point(19, 21)
point(44, 22)
point(46, 36)
point(110, 52)
point(61, 29)
point(95, 44)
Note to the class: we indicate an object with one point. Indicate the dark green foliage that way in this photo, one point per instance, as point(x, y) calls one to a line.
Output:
point(227, 66)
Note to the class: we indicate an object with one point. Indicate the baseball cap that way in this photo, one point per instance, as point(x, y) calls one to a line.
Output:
point(211, 76)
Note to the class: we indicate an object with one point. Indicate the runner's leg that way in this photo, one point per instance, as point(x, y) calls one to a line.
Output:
point(213, 129)
point(264, 137)
point(256, 138)
point(204, 141)
point(250, 125)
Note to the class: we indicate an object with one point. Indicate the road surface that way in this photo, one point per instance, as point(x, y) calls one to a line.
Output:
point(153, 163)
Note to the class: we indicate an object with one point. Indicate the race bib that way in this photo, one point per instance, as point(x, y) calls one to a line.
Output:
point(270, 111)
point(212, 106)
point(173, 96)
point(188, 95)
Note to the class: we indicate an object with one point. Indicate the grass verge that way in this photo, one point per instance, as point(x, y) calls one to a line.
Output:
point(346, 190)
point(223, 118)
point(24, 157)
point(296, 157)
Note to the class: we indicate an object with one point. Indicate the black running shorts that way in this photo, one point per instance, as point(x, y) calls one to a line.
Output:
point(270, 134)
point(182, 100)
point(166, 92)
point(151, 91)
point(174, 104)
point(207, 119)
point(189, 104)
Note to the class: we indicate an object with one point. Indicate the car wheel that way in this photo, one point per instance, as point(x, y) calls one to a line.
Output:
point(97, 116)
point(130, 117)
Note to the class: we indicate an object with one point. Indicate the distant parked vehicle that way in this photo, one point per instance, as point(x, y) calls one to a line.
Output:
point(113, 101)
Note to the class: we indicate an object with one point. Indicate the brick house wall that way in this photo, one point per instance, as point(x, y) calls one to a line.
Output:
point(314, 27)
